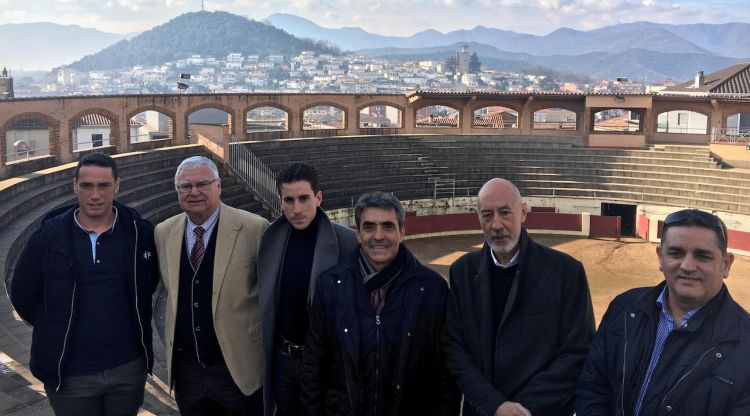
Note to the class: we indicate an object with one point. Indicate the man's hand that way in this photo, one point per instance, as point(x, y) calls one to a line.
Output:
point(512, 409)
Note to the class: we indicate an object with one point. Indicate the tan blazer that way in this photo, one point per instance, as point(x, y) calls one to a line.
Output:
point(234, 302)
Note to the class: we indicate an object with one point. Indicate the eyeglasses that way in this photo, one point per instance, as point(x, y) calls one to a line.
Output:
point(185, 188)
point(696, 216)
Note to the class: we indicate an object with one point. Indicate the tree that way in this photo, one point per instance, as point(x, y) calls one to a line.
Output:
point(474, 65)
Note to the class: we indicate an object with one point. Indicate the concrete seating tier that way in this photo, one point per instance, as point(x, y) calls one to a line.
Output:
point(146, 184)
point(680, 174)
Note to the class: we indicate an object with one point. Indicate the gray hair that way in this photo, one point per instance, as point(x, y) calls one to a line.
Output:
point(195, 161)
point(382, 200)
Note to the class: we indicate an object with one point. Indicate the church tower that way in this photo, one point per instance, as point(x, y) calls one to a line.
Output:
point(6, 85)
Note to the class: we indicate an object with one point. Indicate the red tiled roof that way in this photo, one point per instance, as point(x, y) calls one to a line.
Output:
point(92, 120)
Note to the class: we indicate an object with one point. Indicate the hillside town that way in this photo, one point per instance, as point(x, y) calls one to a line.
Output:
point(307, 73)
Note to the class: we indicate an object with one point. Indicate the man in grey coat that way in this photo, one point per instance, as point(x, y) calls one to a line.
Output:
point(295, 249)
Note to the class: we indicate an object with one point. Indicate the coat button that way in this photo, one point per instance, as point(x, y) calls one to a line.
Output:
point(195, 305)
point(338, 281)
point(632, 315)
point(669, 408)
point(197, 329)
point(346, 329)
point(718, 355)
point(408, 334)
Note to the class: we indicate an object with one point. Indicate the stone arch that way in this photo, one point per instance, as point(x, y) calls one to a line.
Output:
point(114, 123)
point(218, 106)
point(448, 104)
point(302, 110)
point(690, 109)
point(398, 107)
point(561, 105)
point(512, 106)
point(53, 126)
point(163, 110)
point(273, 104)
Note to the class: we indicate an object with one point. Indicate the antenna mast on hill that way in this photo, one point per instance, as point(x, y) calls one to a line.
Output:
point(203, 6)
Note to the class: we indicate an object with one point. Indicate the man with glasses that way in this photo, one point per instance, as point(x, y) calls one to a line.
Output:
point(207, 258)
point(679, 348)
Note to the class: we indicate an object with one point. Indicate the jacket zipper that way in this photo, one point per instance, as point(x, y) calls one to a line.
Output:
point(685, 375)
point(624, 360)
point(377, 364)
point(67, 332)
point(135, 285)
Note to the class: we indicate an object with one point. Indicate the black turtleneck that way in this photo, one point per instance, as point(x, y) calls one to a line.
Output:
point(502, 278)
point(291, 317)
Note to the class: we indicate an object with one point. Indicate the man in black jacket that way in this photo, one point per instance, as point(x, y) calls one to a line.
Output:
point(679, 348)
point(84, 282)
point(295, 249)
point(373, 345)
point(519, 317)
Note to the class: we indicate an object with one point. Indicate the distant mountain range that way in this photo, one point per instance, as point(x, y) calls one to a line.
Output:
point(728, 39)
point(636, 50)
point(35, 46)
point(206, 33)
point(638, 64)
point(641, 50)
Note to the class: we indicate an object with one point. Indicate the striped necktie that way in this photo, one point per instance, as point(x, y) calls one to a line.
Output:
point(198, 248)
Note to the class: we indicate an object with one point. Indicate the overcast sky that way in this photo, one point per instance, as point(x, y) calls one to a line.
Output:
point(386, 17)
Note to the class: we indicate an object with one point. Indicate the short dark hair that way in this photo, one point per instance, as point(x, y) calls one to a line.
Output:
point(697, 218)
point(299, 171)
point(97, 159)
point(382, 200)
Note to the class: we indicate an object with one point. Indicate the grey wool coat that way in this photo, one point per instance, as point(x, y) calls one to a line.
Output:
point(333, 243)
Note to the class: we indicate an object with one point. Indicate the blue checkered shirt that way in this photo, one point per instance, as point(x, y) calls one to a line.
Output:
point(666, 326)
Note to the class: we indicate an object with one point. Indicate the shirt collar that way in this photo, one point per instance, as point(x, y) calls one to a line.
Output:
point(111, 229)
point(207, 225)
point(513, 260)
point(661, 302)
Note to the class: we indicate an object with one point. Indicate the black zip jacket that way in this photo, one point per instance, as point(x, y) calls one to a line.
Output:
point(401, 370)
point(43, 289)
point(703, 370)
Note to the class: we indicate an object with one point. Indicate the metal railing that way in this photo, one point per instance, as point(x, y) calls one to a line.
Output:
point(29, 154)
point(730, 136)
point(443, 188)
point(256, 174)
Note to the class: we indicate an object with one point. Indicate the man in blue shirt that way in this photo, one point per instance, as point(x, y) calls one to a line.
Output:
point(678, 348)
point(84, 282)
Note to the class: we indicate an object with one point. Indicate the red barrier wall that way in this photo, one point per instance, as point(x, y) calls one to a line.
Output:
point(643, 224)
point(739, 240)
point(441, 223)
point(543, 209)
point(552, 221)
point(604, 227)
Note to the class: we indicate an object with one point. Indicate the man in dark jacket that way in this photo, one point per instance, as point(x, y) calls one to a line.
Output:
point(681, 347)
point(295, 249)
point(84, 282)
point(519, 317)
point(373, 345)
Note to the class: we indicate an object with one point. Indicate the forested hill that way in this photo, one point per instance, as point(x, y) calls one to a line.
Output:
point(206, 33)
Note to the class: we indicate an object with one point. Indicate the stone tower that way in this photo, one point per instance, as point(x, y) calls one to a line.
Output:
point(6, 85)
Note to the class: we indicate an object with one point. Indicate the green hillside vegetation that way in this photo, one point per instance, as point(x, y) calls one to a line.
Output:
point(214, 34)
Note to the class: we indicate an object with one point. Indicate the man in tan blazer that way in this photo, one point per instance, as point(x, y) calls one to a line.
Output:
point(207, 258)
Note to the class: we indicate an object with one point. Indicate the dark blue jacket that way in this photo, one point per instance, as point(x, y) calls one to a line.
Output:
point(338, 377)
point(704, 369)
point(43, 289)
point(536, 354)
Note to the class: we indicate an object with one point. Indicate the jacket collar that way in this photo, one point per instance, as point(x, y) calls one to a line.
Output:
point(716, 312)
